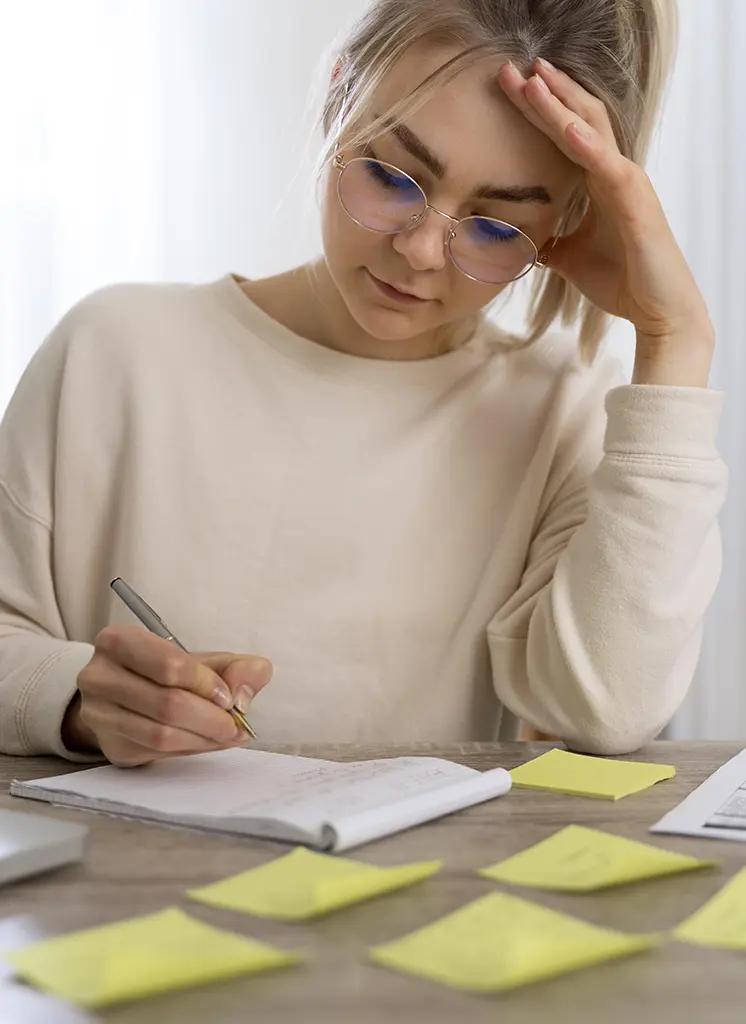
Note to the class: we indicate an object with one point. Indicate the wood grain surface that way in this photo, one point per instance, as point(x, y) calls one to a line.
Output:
point(133, 868)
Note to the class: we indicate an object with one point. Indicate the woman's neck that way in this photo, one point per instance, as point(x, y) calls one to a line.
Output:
point(307, 302)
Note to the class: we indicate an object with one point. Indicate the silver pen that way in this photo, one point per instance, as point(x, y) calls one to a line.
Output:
point(156, 625)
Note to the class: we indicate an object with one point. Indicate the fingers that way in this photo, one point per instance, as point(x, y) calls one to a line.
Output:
point(514, 86)
point(544, 110)
point(129, 738)
point(575, 98)
point(538, 100)
point(550, 98)
point(244, 674)
point(159, 660)
point(143, 698)
point(170, 706)
point(555, 104)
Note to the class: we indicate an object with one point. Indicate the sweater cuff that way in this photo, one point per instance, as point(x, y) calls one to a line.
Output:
point(673, 422)
point(46, 699)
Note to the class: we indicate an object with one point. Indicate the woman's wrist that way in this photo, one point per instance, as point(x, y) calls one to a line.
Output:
point(76, 736)
point(680, 359)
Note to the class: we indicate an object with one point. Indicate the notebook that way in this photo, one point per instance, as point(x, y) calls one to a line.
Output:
point(328, 805)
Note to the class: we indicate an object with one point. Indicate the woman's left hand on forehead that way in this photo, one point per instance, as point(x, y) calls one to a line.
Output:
point(623, 257)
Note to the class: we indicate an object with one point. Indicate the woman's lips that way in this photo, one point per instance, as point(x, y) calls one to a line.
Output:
point(406, 298)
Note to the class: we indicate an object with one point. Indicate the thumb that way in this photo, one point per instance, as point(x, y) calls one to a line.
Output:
point(245, 674)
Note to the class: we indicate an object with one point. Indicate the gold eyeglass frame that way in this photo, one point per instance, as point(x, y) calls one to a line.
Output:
point(540, 260)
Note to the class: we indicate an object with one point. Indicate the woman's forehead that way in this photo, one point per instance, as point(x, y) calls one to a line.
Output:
point(473, 128)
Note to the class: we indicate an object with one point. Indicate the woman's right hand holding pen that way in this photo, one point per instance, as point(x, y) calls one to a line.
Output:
point(141, 699)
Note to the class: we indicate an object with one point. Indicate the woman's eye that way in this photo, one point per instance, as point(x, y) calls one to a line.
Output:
point(492, 230)
point(388, 178)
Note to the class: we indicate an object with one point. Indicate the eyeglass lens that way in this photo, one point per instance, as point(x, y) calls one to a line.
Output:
point(382, 198)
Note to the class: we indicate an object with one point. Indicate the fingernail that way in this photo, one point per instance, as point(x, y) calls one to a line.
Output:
point(239, 736)
point(244, 697)
point(581, 130)
point(542, 84)
point(545, 64)
point(221, 695)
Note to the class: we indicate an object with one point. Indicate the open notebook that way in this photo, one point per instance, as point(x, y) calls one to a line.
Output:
point(329, 805)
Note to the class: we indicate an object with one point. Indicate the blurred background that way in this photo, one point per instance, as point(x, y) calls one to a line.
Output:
point(174, 140)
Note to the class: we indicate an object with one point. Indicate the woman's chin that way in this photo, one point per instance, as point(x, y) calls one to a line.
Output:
point(386, 324)
point(390, 326)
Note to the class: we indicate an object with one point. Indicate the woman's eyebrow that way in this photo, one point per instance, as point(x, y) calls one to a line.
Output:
point(505, 193)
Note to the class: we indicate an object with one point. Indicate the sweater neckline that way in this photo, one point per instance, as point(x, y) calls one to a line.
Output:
point(329, 362)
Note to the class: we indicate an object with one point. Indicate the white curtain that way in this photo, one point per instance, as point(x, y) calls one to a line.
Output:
point(77, 174)
point(700, 171)
point(170, 140)
point(148, 140)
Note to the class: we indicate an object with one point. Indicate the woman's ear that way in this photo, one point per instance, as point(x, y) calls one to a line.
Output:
point(334, 107)
point(336, 71)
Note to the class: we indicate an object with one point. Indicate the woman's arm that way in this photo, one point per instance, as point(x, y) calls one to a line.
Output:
point(124, 694)
point(601, 641)
point(623, 257)
point(39, 666)
point(599, 644)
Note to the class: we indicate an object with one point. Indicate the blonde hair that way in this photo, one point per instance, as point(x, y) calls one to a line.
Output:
point(621, 51)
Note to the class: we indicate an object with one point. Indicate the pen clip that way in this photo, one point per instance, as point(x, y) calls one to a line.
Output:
point(157, 617)
point(168, 635)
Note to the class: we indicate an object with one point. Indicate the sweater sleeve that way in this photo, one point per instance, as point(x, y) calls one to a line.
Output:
point(600, 642)
point(39, 665)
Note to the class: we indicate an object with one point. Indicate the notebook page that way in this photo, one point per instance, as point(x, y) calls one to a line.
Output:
point(210, 785)
point(343, 833)
point(322, 797)
point(245, 784)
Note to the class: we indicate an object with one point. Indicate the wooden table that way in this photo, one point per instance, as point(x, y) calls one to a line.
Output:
point(134, 869)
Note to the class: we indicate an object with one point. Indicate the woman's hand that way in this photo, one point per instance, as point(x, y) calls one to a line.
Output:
point(623, 257)
point(141, 699)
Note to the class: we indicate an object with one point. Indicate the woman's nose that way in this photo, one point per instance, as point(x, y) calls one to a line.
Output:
point(424, 247)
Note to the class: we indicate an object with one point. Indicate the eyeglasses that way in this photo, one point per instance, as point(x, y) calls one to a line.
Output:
point(380, 197)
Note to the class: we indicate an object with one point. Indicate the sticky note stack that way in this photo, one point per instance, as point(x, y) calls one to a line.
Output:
point(578, 859)
point(305, 884)
point(559, 771)
point(141, 957)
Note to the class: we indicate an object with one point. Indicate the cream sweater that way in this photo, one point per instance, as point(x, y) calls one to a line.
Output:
point(425, 550)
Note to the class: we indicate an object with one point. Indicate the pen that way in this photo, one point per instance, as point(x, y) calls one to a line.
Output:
point(156, 625)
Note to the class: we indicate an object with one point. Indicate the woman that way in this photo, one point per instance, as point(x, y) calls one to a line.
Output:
point(425, 528)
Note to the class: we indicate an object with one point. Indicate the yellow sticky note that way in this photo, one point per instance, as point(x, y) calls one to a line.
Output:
point(305, 884)
point(579, 859)
point(499, 942)
point(141, 957)
point(721, 922)
point(559, 771)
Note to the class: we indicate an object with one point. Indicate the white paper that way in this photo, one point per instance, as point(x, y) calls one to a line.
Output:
point(15, 933)
point(18, 1003)
point(357, 829)
point(307, 794)
point(22, 1005)
point(690, 817)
